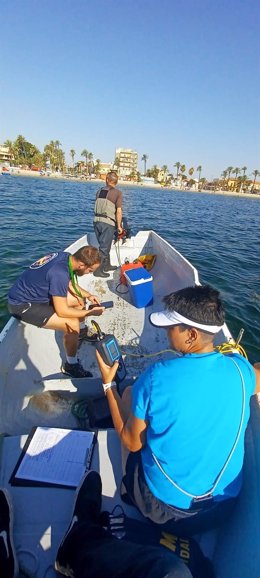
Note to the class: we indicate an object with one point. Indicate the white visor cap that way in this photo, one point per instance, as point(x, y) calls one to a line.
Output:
point(169, 318)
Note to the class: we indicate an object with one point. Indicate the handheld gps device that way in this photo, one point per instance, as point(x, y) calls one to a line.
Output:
point(109, 350)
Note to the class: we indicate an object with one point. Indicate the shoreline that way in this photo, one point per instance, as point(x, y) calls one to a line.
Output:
point(58, 176)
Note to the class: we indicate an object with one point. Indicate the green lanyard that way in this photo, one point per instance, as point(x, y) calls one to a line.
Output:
point(74, 279)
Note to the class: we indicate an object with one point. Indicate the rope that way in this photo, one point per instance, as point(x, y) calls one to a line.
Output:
point(118, 252)
point(120, 265)
point(81, 410)
point(122, 292)
point(217, 480)
point(231, 347)
point(151, 354)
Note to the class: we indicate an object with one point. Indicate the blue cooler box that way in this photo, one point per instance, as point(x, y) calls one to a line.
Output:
point(140, 284)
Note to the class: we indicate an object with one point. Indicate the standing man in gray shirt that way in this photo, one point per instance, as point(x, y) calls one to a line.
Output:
point(107, 219)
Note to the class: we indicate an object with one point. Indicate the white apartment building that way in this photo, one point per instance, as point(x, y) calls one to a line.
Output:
point(126, 162)
point(5, 155)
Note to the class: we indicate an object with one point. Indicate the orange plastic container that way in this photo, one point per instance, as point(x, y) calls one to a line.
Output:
point(126, 267)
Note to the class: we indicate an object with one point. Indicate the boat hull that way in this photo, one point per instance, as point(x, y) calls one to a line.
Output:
point(34, 392)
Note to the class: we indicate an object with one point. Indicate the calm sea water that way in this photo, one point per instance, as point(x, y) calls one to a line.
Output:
point(218, 234)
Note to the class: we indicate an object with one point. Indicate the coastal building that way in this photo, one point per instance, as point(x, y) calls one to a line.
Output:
point(5, 155)
point(249, 185)
point(177, 182)
point(256, 186)
point(162, 176)
point(126, 162)
point(103, 169)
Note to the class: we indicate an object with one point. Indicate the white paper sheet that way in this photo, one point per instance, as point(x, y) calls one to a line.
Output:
point(56, 455)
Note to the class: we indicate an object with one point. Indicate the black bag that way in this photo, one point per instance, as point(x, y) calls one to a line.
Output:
point(187, 549)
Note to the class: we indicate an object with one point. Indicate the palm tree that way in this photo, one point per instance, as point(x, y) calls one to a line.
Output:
point(85, 155)
point(52, 145)
point(20, 148)
point(54, 153)
point(191, 171)
point(90, 163)
point(182, 170)
point(255, 173)
point(177, 165)
point(155, 171)
point(8, 144)
point(165, 170)
point(229, 171)
point(241, 181)
point(72, 154)
point(97, 166)
point(244, 171)
point(49, 155)
point(116, 164)
point(132, 176)
point(236, 172)
point(57, 145)
point(199, 169)
point(224, 175)
point(61, 159)
point(145, 158)
point(77, 168)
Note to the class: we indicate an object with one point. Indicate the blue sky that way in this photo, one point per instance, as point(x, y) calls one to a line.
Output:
point(177, 80)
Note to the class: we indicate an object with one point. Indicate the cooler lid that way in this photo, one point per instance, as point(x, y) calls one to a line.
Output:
point(137, 276)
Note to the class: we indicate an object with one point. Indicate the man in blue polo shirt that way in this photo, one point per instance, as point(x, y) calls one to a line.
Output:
point(184, 420)
point(47, 295)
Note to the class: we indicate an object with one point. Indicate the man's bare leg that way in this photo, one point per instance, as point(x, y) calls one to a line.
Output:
point(69, 326)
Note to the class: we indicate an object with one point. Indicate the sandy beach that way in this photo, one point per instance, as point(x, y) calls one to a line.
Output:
point(55, 176)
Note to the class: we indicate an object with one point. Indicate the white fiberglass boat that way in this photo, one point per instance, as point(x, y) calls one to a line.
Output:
point(33, 392)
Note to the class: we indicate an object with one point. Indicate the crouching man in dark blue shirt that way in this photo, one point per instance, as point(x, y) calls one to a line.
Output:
point(47, 295)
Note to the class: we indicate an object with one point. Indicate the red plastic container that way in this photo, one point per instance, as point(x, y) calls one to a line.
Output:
point(126, 267)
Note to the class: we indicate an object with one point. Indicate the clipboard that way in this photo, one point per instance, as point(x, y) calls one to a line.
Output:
point(41, 469)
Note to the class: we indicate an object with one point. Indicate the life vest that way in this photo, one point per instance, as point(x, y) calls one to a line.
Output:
point(105, 210)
